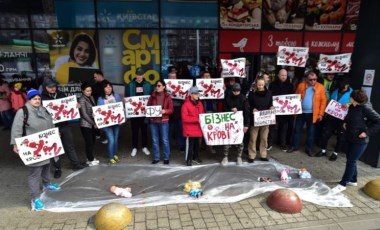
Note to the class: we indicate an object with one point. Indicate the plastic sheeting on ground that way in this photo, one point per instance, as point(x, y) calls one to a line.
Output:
point(154, 185)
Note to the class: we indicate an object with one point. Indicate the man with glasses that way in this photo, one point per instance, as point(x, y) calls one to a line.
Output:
point(313, 96)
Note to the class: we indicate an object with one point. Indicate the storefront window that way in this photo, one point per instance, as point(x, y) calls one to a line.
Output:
point(13, 15)
point(127, 13)
point(75, 13)
point(43, 14)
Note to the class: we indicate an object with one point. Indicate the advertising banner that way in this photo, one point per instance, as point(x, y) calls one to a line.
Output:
point(233, 67)
point(39, 146)
point(240, 14)
point(239, 41)
point(322, 42)
point(352, 15)
point(63, 109)
point(325, 15)
point(222, 128)
point(348, 42)
point(271, 40)
point(264, 117)
point(334, 63)
point(289, 104)
point(210, 88)
point(292, 56)
point(135, 106)
point(284, 15)
point(336, 109)
point(178, 89)
point(109, 114)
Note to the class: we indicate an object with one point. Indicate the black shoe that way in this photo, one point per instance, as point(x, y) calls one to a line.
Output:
point(283, 148)
point(78, 167)
point(308, 152)
point(321, 153)
point(155, 161)
point(333, 157)
point(188, 163)
point(197, 161)
point(291, 150)
point(166, 162)
point(269, 147)
point(251, 160)
point(57, 173)
point(264, 159)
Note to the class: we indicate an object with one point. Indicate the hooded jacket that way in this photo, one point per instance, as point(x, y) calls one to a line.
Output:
point(190, 118)
point(319, 98)
point(240, 103)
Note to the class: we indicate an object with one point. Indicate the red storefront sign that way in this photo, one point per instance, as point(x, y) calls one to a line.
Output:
point(239, 41)
point(322, 42)
point(348, 42)
point(271, 40)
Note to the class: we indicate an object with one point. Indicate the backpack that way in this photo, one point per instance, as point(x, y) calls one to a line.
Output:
point(25, 121)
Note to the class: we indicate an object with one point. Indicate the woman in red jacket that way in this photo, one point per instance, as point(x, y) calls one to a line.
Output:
point(159, 126)
point(190, 121)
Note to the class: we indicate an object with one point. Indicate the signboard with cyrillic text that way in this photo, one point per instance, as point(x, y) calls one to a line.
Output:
point(109, 114)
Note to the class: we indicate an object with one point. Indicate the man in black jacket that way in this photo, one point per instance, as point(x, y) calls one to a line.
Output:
point(50, 92)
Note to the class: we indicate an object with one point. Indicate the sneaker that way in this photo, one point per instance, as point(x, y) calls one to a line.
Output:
point(333, 156)
point(116, 158)
point(269, 147)
point(97, 137)
point(78, 167)
point(264, 159)
point(283, 148)
point(188, 163)
point(321, 153)
point(239, 161)
point(224, 161)
point(105, 142)
point(92, 163)
point(146, 151)
point(251, 160)
point(134, 151)
point(197, 161)
point(291, 150)
point(37, 205)
point(57, 173)
point(354, 184)
point(51, 187)
point(112, 162)
point(337, 189)
point(166, 162)
point(155, 162)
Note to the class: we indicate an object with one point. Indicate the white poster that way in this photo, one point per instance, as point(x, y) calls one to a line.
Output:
point(39, 146)
point(336, 109)
point(153, 111)
point(135, 106)
point(334, 63)
point(292, 56)
point(222, 128)
point(108, 115)
point(369, 76)
point(63, 109)
point(178, 89)
point(210, 88)
point(264, 117)
point(233, 67)
point(287, 104)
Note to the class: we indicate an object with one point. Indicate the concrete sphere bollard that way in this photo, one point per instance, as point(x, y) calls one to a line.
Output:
point(113, 216)
point(372, 189)
point(284, 201)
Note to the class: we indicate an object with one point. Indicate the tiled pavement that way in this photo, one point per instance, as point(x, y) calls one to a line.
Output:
point(251, 213)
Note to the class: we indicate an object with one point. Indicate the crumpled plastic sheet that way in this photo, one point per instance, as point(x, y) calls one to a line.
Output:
point(152, 185)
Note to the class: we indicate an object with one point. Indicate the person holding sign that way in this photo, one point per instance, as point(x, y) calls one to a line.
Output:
point(233, 103)
point(38, 120)
point(191, 128)
point(314, 101)
point(112, 132)
point(50, 92)
point(139, 87)
point(259, 99)
point(361, 122)
point(332, 124)
point(159, 126)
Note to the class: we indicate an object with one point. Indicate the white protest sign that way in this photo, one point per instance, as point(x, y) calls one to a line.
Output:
point(178, 89)
point(233, 67)
point(287, 104)
point(334, 63)
point(264, 117)
point(39, 146)
point(135, 106)
point(109, 114)
point(292, 56)
point(210, 88)
point(153, 111)
point(222, 128)
point(336, 109)
point(63, 109)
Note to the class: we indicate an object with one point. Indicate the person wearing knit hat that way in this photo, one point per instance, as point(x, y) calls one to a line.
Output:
point(38, 120)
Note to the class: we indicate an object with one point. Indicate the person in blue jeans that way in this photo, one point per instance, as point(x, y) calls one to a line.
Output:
point(361, 122)
point(112, 132)
point(159, 126)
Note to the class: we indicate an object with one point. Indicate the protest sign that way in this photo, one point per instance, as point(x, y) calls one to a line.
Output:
point(336, 109)
point(178, 89)
point(233, 67)
point(222, 128)
point(210, 88)
point(334, 63)
point(63, 109)
point(39, 146)
point(153, 111)
point(292, 56)
point(287, 104)
point(264, 117)
point(109, 114)
point(135, 106)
